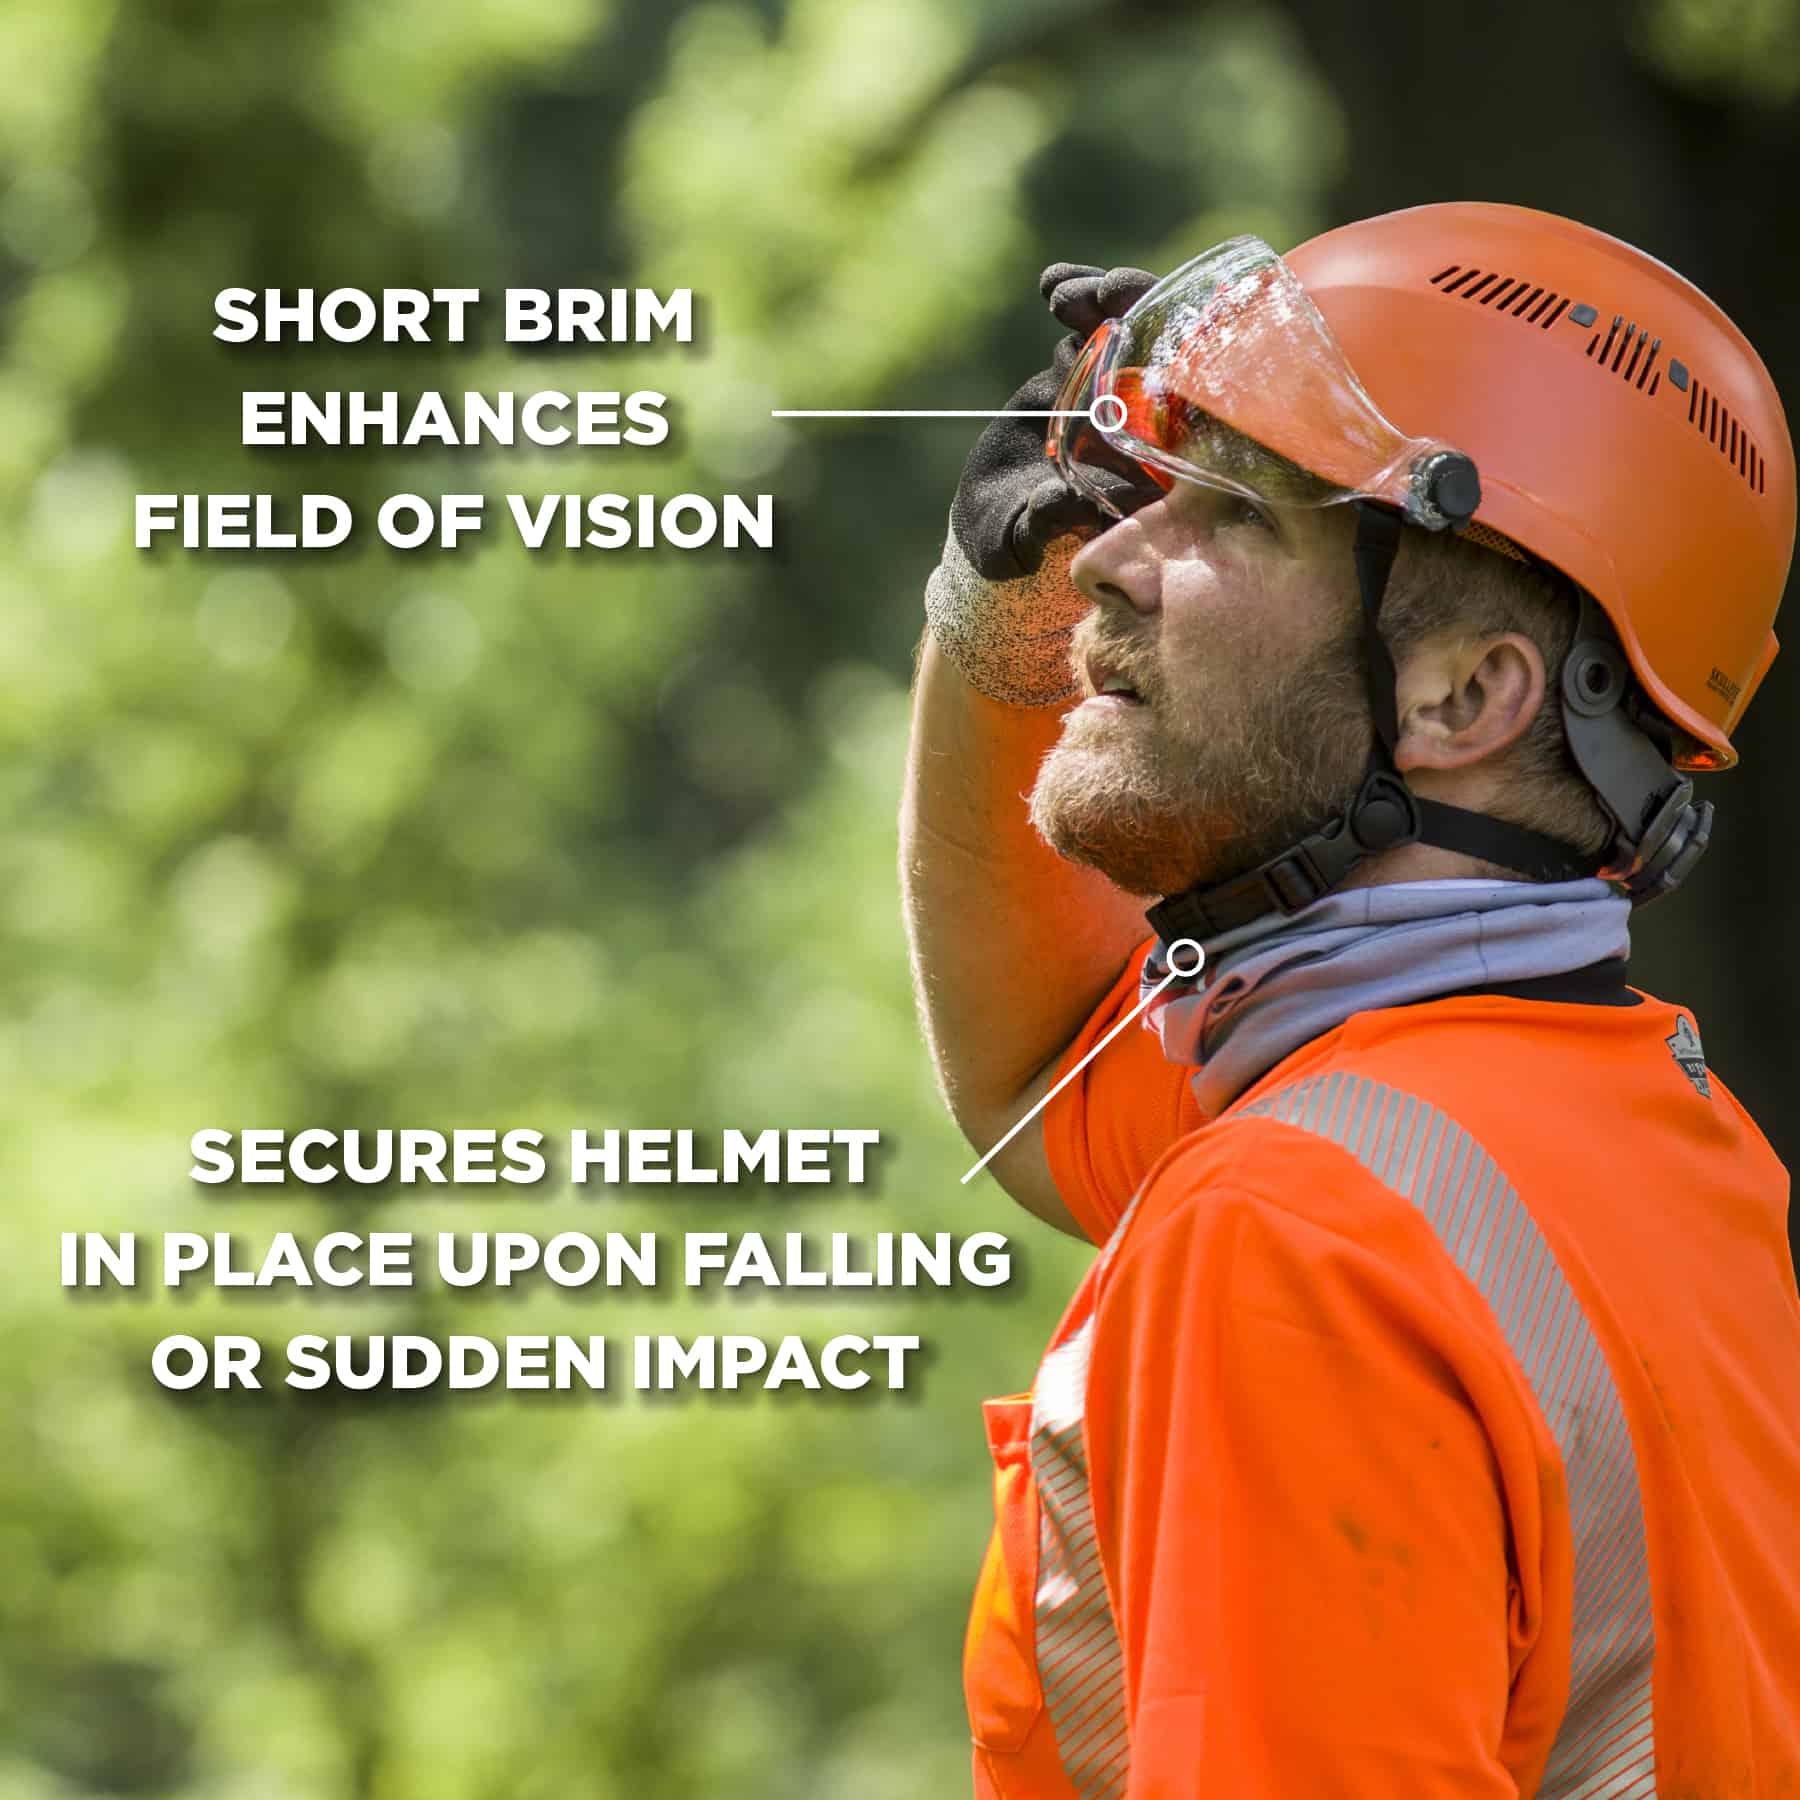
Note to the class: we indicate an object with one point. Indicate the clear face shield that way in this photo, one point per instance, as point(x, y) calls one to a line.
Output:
point(1226, 374)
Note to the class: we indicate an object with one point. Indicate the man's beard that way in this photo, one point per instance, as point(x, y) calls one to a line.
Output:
point(1173, 794)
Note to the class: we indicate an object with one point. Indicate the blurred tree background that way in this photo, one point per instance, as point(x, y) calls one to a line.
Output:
point(607, 838)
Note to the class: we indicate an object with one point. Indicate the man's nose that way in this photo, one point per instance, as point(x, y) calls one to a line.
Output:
point(1120, 568)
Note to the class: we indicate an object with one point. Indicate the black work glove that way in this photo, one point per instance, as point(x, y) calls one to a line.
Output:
point(1000, 603)
point(1011, 503)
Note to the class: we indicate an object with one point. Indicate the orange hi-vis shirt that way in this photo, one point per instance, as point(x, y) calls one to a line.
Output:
point(1428, 1425)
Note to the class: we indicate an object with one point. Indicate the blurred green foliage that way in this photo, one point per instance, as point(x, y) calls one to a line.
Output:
point(500, 839)
point(1735, 47)
point(496, 838)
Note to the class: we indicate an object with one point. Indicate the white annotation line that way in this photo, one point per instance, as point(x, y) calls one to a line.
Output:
point(1174, 974)
point(1107, 413)
point(979, 412)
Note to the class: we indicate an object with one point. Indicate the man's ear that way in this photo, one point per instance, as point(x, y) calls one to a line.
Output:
point(1465, 700)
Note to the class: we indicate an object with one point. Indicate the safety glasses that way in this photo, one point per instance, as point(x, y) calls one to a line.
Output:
point(1226, 374)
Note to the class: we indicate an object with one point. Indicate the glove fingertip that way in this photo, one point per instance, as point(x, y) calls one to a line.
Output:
point(1120, 289)
point(1073, 305)
point(1058, 272)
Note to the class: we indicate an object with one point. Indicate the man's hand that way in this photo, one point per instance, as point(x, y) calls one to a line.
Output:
point(1000, 603)
point(1012, 947)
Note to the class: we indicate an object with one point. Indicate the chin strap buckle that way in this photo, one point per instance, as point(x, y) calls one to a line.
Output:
point(1383, 816)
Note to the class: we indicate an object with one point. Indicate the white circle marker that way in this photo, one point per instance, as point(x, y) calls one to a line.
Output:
point(1112, 420)
point(1183, 946)
point(1176, 972)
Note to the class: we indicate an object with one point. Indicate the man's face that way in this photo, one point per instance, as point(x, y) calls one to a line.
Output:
point(1226, 712)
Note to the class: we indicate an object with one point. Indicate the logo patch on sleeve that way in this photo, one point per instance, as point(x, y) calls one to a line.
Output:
point(1690, 1058)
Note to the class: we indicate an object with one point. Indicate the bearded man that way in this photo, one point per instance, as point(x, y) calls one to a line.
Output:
point(1429, 1423)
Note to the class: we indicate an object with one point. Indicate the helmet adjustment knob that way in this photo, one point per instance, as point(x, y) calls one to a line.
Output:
point(1448, 489)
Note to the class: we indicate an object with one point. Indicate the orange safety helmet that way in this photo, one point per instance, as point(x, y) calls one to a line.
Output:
point(1518, 377)
point(1624, 429)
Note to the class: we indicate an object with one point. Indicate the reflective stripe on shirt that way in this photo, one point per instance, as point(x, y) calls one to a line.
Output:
point(1080, 1668)
point(1605, 1748)
point(1080, 1665)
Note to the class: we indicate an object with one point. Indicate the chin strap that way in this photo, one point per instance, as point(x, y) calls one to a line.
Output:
point(1660, 835)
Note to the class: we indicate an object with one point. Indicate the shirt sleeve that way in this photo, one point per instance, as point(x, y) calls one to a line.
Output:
point(1303, 1466)
point(1109, 1127)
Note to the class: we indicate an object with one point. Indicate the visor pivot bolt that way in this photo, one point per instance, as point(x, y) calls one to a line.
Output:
point(1451, 486)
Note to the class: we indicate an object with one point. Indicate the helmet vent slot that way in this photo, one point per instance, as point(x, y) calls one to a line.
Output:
point(1726, 435)
point(1621, 349)
point(1522, 298)
point(1630, 354)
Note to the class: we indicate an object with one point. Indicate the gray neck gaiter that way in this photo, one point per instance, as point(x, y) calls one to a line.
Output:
point(1270, 987)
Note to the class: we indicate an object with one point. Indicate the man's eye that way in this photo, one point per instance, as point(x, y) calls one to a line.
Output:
point(1247, 512)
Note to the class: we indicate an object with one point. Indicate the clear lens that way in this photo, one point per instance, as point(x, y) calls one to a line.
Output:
point(1226, 374)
